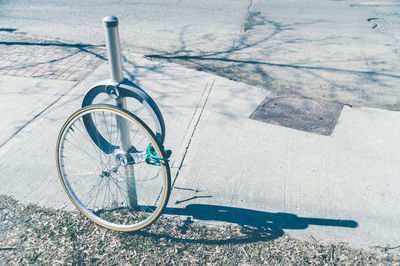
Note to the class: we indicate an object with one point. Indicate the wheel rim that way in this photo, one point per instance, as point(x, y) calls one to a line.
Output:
point(97, 183)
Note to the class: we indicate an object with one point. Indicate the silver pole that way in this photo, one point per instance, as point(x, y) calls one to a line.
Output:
point(116, 76)
point(113, 48)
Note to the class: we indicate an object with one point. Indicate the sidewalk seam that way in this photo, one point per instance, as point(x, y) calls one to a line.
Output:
point(37, 115)
point(192, 128)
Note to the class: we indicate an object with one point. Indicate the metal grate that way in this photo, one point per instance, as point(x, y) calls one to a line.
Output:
point(306, 114)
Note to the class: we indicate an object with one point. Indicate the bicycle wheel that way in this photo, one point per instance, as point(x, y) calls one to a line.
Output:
point(124, 190)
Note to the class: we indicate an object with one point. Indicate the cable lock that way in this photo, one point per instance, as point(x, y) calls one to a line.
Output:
point(151, 157)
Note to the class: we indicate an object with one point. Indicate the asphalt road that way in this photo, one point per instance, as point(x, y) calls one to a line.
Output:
point(342, 51)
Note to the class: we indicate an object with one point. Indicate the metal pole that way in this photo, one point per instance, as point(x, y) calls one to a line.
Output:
point(115, 66)
point(113, 48)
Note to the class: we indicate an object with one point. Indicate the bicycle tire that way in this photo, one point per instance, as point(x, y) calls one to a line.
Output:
point(92, 179)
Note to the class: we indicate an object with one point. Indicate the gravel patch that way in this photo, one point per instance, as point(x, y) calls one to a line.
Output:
point(35, 235)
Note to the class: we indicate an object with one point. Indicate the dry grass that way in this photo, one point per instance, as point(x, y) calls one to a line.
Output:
point(47, 236)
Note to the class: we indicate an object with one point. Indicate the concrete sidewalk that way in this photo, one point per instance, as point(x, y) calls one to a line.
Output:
point(225, 166)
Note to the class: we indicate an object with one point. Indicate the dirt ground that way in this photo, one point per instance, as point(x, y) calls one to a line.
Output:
point(34, 235)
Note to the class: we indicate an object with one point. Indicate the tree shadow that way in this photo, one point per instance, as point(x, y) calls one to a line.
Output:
point(66, 61)
point(255, 62)
point(308, 77)
point(82, 47)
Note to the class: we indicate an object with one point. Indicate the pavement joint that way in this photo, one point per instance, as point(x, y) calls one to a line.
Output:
point(35, 117)
point(192, 129)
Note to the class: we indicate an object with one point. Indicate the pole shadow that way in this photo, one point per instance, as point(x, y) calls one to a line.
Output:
point(8, 29)
point(254, 225)
point(266, 221)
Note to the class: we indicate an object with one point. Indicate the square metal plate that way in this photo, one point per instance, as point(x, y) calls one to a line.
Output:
point(306, 114)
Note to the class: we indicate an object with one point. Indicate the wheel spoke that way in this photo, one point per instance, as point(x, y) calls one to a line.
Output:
point(94, 179)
